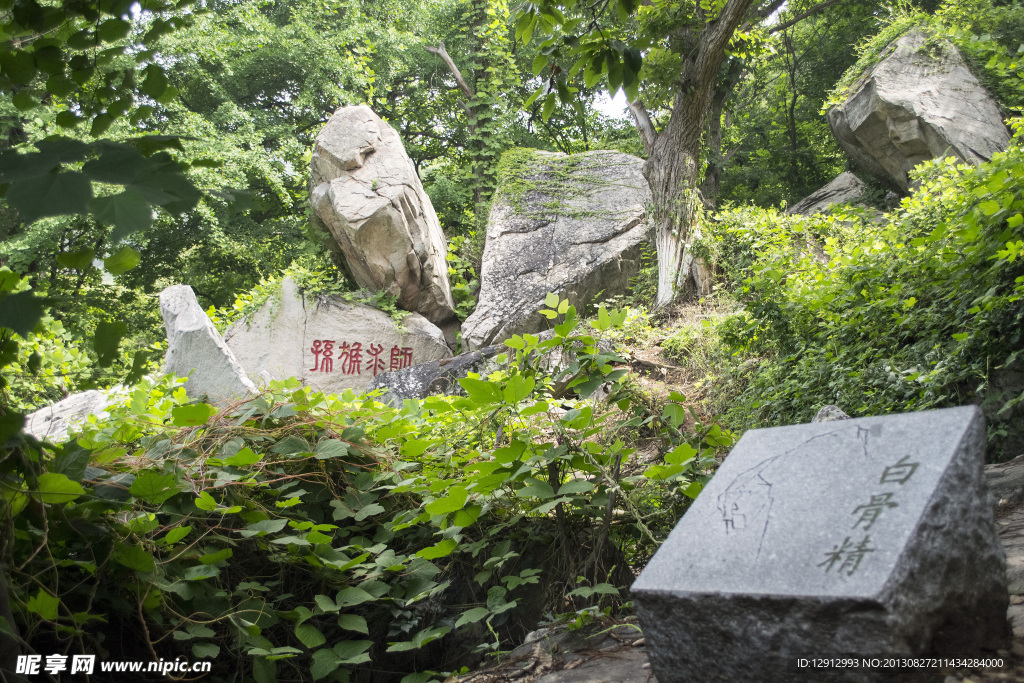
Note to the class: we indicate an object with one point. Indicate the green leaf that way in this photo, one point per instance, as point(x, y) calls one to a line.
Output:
point(200, 572)
point(134, 557)
point(518, 388)
point(325, 662)
point(349, 597)
point(442, 549)
point(201, 650)
point(243, 458)
point(990, 207)
point(481, 392)
point(219, 556)
point(106, 340)
point(43, 604)
point(177, 534)
point(60, 85)
point(155, 489)
point(21, 311)
point(18, 65)
point(53, 194)
point(122, 261)
point(78, 260)
point(127, 211)
point(353, 622)
point(331, 448)
point(56, 488)
point(206, 502)
point(325, 603)
point(539, 63)
point(192, 415)
point(467, 516)
point(536, 489)
point(456, 500)
point(680, 455)
point(353, 651)
point(472, 616)
point(310, 636)
point(549, 106)
point(510, 453)
point(575, 486)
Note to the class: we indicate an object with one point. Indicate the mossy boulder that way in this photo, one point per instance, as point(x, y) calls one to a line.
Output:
point(569, 224)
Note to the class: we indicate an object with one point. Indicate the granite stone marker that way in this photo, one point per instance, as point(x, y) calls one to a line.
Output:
point(869, 536)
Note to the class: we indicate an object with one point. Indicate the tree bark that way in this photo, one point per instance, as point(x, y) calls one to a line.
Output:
point(673, 167)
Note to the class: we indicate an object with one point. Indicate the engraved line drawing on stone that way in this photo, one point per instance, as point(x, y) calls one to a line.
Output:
point(899, 473)
point(748, 499)
point(872, 510)
point(847, 556)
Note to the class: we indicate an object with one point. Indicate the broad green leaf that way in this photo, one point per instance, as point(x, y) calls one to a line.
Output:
point(243, 458)
point(353, 622)
point(53, 194)
point(325, 603)
point(21, 311)
point(467, 515)
point(106, 339)
point(78, 260)
point(331, 448)
point(134, 557)
point(442, 549)
point(575, 486)
point(510, 453)
point(205, 501)
point(177, 534)
point(122, 261)
point(518, 388)
point(536, 489)
point(472, 616)
point(201, 650)
point(200, 572)
point(43, 604)
point(127, 211)
point(192, 415)
point(481, 392)
point(56, 488)
point(310, 636)
point(325, 662)
point(352, 596)
point(456, 500)
point(680, 455)
point(353, 651)
point(154, 488)
point(219, 556)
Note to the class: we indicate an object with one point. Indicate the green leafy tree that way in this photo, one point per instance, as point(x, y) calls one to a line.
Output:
point(678, 56)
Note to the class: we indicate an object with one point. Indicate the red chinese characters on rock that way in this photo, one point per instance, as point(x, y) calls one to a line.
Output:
point(350, 357)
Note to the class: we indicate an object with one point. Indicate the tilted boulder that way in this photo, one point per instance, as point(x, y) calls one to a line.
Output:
point(919, 102)
point(328, 343)
point(365, 190)
point(572, 225)
point(196, 350)
point(845, 188)
point(53, 422)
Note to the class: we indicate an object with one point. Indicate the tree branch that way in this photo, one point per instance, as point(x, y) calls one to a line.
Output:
point(643, 124)
point(803, 15)
point(443, 54)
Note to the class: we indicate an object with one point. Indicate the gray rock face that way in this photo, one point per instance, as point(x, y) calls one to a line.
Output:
point(194, 346)
point(365, 190)
point(53, 422)
point(573, 225)
point(830, 413)
point(439, 377)
point(867, 536)
point(917, 103)
point(328, 343)
point(844, 189)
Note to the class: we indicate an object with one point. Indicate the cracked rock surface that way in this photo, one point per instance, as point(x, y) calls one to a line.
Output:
point(365, 191)
point(919, 102)
point(572, 225)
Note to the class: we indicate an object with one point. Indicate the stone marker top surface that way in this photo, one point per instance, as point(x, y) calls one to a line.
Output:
point(812, 510)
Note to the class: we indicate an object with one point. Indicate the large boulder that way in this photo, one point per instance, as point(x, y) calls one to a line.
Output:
point(572, 225)
point(328, 343)
point(845, 188)
point(196, 350)
point(365, 190)
point(53, 422)
point(919, 102)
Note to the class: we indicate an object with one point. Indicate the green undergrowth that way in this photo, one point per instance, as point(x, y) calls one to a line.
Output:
point(921, 310)
point(313, 279)
point(303, 536)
